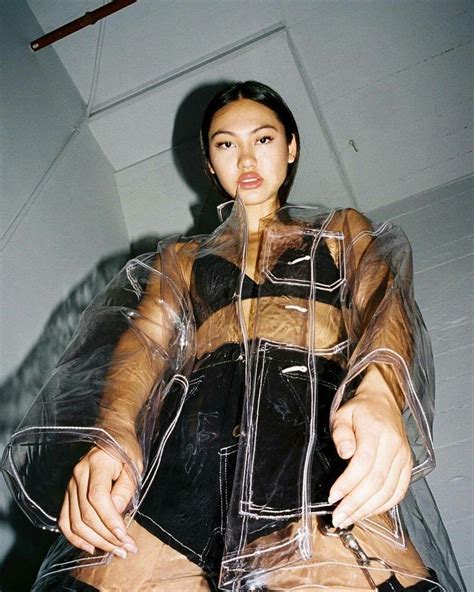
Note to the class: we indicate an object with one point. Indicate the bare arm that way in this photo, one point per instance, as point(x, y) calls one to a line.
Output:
point(383, 321)
point(144, 358)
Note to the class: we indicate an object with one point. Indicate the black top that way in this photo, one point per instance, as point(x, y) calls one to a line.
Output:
point(215, 280)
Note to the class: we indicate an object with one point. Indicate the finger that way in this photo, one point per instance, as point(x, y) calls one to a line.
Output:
point(362, 464)
point(82, 530)
point(380, 484)
point(345, 443)
point(86, 515)
point(122, 491)
point(64, 526)
point(359, 466)
point(370, 496)
point(99, 496)
point(344, 439)
point(397, 496)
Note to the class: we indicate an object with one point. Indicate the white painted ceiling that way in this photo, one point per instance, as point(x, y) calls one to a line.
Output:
point(392, 79)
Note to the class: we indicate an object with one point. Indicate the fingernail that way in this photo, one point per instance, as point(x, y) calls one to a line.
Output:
point(346, 523)
point(335, 496)
point(338, 518)
point(131, 547)
point(119, 503)
point(89, 549)
point(119, 533)
point(119, 552)
point(345, 449)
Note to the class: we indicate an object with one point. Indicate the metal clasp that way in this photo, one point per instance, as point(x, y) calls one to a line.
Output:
point(352, 544)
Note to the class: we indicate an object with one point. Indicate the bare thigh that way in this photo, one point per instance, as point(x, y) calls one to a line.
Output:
point(157, 567)
point(333, 567)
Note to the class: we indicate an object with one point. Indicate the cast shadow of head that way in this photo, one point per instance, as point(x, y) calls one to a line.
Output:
point(29, 543)
point(188, 159)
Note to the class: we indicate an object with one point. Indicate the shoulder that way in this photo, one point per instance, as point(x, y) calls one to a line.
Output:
point(176, 255)
point(333, 219)
point(349, 221)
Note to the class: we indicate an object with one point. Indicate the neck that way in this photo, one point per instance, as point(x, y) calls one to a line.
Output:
point(258, 211)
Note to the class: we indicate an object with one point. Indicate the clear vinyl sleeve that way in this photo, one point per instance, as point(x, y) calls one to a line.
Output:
point(332, 294)
point(131, 343)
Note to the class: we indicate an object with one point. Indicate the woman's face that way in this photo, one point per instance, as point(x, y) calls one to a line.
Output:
point(248, 151)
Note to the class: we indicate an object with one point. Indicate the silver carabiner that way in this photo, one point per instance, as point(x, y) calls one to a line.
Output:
point(352, 544)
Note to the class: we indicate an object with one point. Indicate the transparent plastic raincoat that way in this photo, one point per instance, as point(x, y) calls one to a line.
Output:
point(332, 294)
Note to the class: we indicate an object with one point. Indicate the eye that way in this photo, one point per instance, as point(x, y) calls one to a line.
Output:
point(224, 145)
point(265, 140)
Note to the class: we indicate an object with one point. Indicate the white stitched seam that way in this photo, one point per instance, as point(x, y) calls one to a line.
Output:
point(326, 287)
point(78, 560)
point(154, 466)
point(262, 551)
point(209, 540)
point(246, 505)
point(221, 493)
point(169, 533)
point(73, 429)
point(351, 565)
point(398, 536)
point(53, 571)
point(255, 427)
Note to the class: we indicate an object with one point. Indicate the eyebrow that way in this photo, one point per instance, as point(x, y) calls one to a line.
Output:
point(257, 129)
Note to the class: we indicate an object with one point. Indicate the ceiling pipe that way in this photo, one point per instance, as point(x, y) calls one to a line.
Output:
point(89, 18)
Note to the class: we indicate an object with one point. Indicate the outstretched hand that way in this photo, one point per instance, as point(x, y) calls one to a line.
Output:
point(369, 431)
point(98, 492)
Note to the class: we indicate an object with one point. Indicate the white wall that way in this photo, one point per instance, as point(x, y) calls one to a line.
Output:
point(76, 220)
point(48, 240)
point(391, 76)
point(439, 225)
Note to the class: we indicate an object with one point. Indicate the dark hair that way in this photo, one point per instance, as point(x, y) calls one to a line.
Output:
point(263, 94)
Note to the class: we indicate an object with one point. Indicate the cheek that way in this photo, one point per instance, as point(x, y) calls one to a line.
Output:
point(219, 161)
point(222, 169)
point(282, 166)
point(278, 161)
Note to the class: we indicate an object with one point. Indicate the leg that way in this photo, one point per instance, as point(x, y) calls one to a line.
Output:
point(157, 567)
point(334, 567)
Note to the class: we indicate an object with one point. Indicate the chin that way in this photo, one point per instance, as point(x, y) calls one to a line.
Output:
point(253, 198)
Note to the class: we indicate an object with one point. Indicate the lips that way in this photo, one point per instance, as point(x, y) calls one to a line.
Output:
point(250, 181)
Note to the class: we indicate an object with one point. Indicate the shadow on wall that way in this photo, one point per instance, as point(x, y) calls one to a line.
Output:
point(17, 392)
point(30, 544)
point(188, 161)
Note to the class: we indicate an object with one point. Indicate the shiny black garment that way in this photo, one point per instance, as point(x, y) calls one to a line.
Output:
point(214, 278)
point(331, 295)
point(198, 462)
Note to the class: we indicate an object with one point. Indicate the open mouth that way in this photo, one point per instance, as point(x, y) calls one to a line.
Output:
point(250, 181)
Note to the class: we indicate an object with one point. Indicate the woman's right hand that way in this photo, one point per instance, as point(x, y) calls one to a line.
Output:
point(98, 492)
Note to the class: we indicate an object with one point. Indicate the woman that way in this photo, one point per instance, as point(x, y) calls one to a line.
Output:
point(257, 400)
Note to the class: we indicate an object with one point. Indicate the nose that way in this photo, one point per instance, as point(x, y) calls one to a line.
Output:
point(247, 159)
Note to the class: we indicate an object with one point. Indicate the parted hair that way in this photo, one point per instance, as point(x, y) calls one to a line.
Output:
point(261, 93)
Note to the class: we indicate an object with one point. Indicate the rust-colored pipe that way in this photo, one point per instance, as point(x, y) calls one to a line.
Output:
point(90, 18)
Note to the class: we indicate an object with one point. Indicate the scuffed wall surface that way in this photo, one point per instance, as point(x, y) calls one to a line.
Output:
point(50, 240)
point(439, 225)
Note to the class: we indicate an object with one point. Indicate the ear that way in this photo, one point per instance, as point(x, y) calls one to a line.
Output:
point(292, 149)
point(211, 170)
